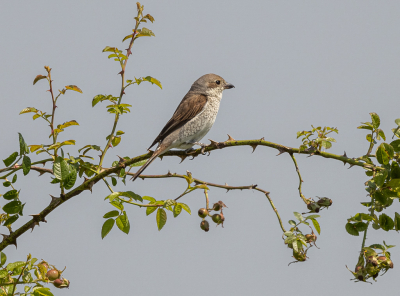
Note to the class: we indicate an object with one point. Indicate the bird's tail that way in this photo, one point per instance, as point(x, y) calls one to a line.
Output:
point(153, 157)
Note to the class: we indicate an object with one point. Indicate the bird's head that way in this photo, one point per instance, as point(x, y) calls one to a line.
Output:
point(210, 85)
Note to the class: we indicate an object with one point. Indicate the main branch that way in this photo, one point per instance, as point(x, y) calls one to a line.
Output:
point(89, 183)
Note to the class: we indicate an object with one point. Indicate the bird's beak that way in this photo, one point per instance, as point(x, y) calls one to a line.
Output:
point(228, 86)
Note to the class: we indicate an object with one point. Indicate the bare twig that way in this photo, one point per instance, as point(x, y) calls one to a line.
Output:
point(300, 179)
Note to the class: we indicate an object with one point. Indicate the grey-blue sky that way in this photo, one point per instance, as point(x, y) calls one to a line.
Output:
point(294, 63)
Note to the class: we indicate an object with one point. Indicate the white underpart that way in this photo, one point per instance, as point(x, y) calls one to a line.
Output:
point(195, 129)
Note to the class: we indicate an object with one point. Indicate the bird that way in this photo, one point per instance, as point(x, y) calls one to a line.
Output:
point(193, 118)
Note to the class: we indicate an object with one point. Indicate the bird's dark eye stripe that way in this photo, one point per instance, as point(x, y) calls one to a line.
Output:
point(218, 82)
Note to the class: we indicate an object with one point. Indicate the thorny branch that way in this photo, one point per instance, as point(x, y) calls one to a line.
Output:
point(88, 183)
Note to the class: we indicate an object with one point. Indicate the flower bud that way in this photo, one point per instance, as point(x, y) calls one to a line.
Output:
point(324, 202)
point(310, 238)
point(313, 207)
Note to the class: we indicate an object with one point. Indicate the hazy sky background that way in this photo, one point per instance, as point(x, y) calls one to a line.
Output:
point(294, 63)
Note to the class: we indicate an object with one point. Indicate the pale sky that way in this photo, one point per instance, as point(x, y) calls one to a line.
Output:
point(293, 64)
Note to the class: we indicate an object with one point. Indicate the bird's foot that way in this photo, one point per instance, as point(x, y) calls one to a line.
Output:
point(189, 151)
point(203, 147)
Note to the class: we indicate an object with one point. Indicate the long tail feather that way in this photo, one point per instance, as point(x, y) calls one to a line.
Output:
point(153, 157)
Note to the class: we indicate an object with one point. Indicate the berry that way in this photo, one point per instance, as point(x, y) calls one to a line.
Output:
point(216, 218)
point(53, 274)
point(203, 213)
point(57, 283)
point(205, 226)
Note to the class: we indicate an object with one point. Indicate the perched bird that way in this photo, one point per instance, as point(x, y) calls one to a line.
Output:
point(193, 118)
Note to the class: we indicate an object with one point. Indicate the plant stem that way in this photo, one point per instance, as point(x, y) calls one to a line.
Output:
point(123, 66)
point(300, 179)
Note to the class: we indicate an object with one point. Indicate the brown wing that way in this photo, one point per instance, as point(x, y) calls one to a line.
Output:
point(190, 106)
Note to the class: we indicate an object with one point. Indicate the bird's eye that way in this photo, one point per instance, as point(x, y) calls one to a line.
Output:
point(218, 82)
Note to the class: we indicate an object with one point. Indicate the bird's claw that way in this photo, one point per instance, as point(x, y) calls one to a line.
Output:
point(203, 148)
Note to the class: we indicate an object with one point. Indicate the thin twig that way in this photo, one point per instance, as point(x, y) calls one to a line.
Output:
point(227, 187)
point(300, 179)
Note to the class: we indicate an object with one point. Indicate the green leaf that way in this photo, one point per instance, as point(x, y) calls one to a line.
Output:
point(26, 165)
point(107, 226)
point(361, 226)
point(396, 221)
point(98, 98)
point(113, 195)
point(382, 155)
point(14, 265)
point(177, 210)
point(7, 184)
point(161, 218)
point(14, 179)
point(380, 197)
point(60, 168)
point(375, 120)
point(12, 207)
point(366, 217)
point(69, 182)
point(366, 204)
point(3, 258)
point(144, 32)
point(150, 210)
point(9, 195)
point(389, 150)
point(185, 207)
point(123, 223)
point(377, 246)
point(352, 229)
point(169, 203)
point(127, 37)
point(111, 214)
point(298, 216)
point(120, 133)
point(73, 87)
point(386, 222)
point(316, 225)
point(149, 198)
point(41, 291)
point(394, 184)
point(114, 181)
point(23, 147)
point(3, 274)
point(11, 220)
point(381, 134)
point(28, 110)
point(37, 78)
point(133, 195)
point(118, 204)
point(149, 17)
point(395, 171)
point(9, 160)
point(365, 127)
point(115, 141)
point(380, 177)
point(153, 81)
